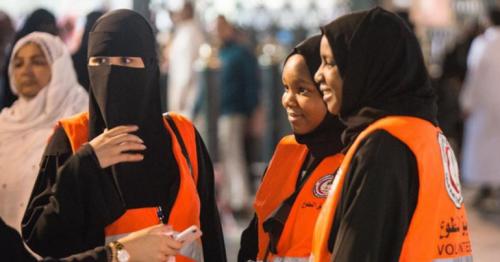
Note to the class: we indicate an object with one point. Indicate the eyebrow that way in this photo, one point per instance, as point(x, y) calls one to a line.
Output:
point(30, 57)
point(301, 80)
point(37, 56)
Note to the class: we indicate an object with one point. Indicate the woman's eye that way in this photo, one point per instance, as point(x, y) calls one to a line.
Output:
point(126, 60)
point(285, 88)
point(100, 60)
point(39, 62)
point(327, 62)
point(302, 90)
point(331, 63)
point(18, 64)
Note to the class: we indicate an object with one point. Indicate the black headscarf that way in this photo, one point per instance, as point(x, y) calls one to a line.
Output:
point(80, 56)
point(382, 68)
point(40, 20)
point(324, 140)
point(320, 142)
point(124, 96)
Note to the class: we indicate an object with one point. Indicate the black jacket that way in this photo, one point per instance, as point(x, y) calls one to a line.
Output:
point(13, 249)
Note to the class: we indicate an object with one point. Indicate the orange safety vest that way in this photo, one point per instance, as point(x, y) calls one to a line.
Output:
point(186, 209)
point(278, 184)
point(438, 230)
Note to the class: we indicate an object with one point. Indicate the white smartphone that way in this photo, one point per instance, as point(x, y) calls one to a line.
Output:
point(189, 235)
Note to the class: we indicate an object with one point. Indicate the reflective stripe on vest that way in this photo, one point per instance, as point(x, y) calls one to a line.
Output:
point(186, 209)
point(438, 228)
point(287, 259)
point(456, 259)
point(278, 184)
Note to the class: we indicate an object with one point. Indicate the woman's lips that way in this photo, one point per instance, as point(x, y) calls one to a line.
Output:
point(292, 116)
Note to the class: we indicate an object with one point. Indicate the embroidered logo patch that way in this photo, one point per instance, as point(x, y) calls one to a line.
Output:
point(322, 186)
point(451, 176)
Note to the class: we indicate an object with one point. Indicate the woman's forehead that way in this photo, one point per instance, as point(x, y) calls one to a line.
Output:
point(31, 49)
point(295, 70)
point(325, 48)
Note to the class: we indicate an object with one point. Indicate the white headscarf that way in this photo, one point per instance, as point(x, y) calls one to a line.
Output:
point(63, 95)
point(25, 127)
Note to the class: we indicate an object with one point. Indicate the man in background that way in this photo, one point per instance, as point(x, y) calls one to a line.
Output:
point(238, 97)
point(183, 87)
point(480, 101)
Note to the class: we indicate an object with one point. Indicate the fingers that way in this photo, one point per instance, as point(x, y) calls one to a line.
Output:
point(125, 137)
point(126, 157)
point(129, 147)
point(166, 246)
point(172, 244)
point(121, 129)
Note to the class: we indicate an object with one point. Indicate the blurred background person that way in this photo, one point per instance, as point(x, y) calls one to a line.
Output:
point(449, 85)
point(480, 101)
point(7, 32)
point(40, 20)
point(42, 75)
point(80, 56)
point(183, 85)
point(238, 98)
point(68, 31)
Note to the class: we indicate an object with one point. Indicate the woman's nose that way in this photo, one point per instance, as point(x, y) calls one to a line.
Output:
point(318, 76)
point(289, 99)
point(26, 69)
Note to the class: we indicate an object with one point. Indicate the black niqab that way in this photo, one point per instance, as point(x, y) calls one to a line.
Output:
point(324, 140)
point(80, 56)
point(382, 68)
point(125, 96)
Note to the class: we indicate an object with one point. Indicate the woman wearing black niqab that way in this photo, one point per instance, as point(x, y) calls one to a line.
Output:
point(135, 161)
point(399, 180)
point(302, 167)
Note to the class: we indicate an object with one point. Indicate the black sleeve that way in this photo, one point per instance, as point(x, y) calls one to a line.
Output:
point(15, 251)
point(97, 254)
point(71, 203)
point(11, 245)
point(378, 200)
point(249, 244)
point(212, 238)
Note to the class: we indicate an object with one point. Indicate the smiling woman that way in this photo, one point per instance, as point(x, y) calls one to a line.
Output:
point(329, 79)
point(301, 98)
point(398, 182)
point(303, 167)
